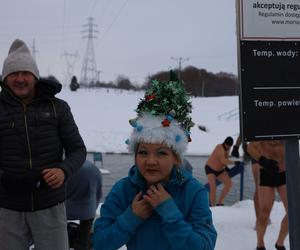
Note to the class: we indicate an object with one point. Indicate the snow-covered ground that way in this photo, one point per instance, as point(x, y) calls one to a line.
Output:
point(102, 117)
point(235, 226)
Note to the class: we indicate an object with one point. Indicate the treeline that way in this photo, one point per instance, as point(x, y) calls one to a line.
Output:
point(198, 82)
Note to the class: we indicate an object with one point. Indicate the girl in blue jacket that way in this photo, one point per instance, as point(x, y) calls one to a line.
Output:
point(159, 205)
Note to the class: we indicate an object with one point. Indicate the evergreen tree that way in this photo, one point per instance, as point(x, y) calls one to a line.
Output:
point(74, 85)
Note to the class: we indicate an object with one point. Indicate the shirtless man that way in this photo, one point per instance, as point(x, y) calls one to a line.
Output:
point(271, 158)
point(216, 169)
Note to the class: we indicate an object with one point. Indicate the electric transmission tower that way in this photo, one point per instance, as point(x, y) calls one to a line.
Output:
point(33, 49)
point(180, 60)
point(89, 69)
point(70, 59)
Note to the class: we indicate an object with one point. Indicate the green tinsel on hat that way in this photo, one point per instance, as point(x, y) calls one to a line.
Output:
point(168, 98)
point(163, 116)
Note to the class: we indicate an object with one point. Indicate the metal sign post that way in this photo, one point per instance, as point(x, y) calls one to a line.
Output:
point(293, 190)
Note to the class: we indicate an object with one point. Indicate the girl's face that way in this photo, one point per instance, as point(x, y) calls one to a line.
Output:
point(155, 162)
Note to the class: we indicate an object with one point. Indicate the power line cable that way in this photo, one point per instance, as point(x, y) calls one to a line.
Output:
point(104, 10)
point(113, 22)
point(93, 7)
point(63, 26)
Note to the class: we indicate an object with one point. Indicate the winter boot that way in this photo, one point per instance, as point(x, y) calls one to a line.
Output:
point(84, 235)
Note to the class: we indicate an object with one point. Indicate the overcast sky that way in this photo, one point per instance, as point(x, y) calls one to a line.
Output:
point(136, 37)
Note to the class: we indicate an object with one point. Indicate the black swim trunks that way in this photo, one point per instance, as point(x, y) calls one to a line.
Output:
point(267, 180)
point(209, 170)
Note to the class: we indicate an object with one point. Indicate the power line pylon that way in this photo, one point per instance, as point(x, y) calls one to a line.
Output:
point(33, 49)
point(98, 75)
point(89, 68)
point(180, 60)
point(70, 59)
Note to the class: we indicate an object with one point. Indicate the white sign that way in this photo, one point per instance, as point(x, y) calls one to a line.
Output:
point(270, 19)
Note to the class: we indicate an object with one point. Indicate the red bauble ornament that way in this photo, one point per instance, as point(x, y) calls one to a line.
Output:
point(165, 123)
point(150, 97)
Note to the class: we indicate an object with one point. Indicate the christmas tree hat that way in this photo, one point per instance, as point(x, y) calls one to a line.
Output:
point(163, 116)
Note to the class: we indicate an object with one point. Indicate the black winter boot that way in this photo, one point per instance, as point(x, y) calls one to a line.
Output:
point(83, 240)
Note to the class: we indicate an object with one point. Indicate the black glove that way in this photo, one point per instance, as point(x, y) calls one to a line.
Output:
point(17, 183)
point(235, 152)
point(269, 165)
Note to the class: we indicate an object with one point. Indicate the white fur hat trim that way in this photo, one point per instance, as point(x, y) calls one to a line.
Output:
point(151, 130)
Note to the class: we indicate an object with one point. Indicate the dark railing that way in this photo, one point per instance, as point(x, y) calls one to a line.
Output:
point(229, 115)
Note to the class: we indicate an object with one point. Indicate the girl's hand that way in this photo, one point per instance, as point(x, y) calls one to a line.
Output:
point(156, 194)
point(141, 207)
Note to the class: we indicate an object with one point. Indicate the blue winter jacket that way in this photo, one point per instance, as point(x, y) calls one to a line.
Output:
point(182, 222)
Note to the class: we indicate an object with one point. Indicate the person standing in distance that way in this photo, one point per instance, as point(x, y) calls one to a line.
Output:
point(216, 169)
point(270, 155)
point(84, 191)
point(40, 148)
